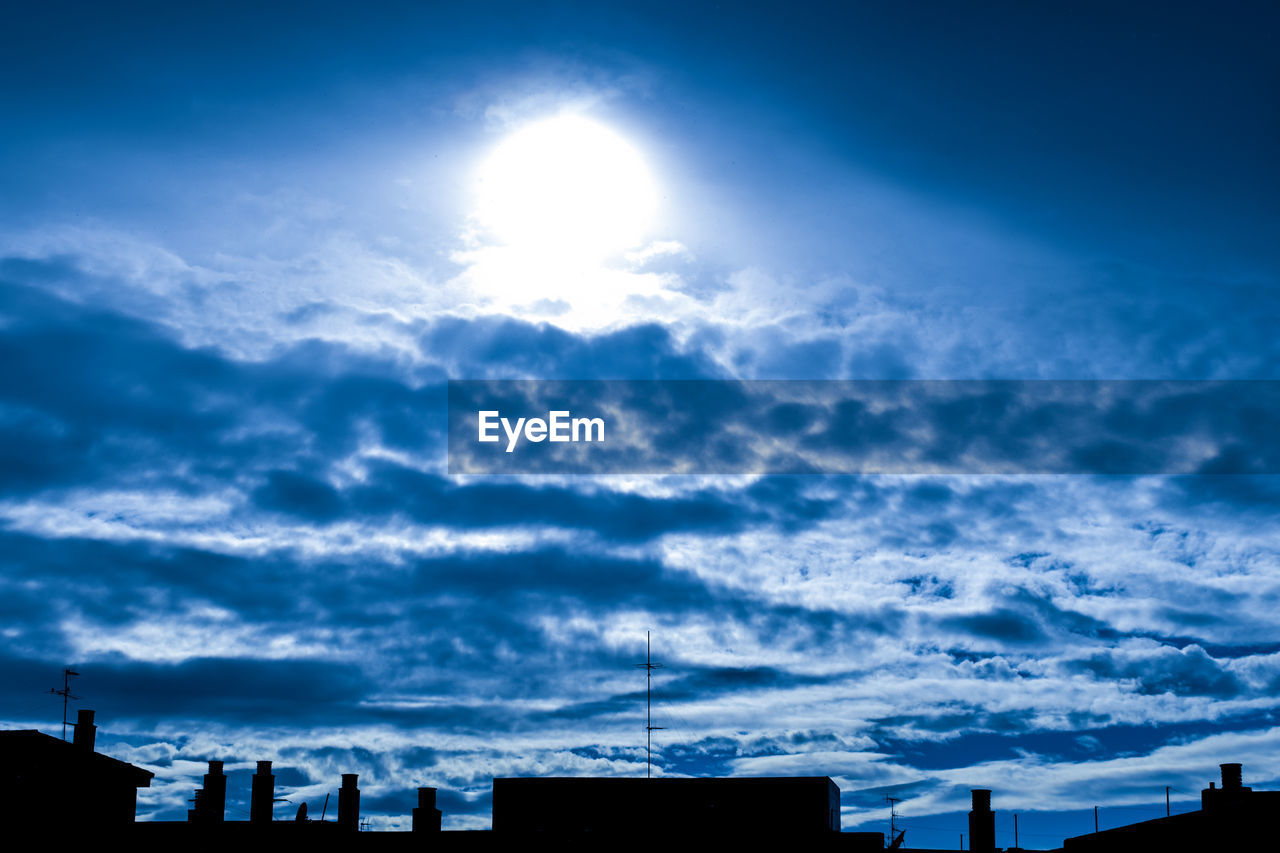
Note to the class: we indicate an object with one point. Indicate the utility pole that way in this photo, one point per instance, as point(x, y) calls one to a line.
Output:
point(1166, 800)
point(1095, 820)
point(1015, 831)
point(65, 693)
point(649, 728)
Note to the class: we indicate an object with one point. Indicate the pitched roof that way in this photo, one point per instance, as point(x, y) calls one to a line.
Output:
point(36, 747)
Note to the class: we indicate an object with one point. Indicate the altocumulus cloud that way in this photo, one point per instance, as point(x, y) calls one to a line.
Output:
point(262, 557)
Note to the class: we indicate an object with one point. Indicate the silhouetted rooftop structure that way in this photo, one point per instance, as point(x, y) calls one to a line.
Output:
point(1231, 817)
point(796, 805)
point(83, 798)
point(982, 822)
point(45, 780)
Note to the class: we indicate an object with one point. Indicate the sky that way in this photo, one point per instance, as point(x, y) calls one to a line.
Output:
point(243, 250)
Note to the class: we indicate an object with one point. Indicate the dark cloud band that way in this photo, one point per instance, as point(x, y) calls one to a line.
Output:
point(864, 427)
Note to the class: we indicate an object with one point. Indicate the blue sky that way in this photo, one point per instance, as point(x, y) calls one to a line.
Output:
point(240, 256)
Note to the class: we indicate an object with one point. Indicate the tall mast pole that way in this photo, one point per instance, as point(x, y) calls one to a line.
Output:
point(649, 728)
point(648, 707)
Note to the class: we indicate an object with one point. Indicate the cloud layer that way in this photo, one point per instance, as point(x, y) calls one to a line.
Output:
point(262, 558)
point(241, 261)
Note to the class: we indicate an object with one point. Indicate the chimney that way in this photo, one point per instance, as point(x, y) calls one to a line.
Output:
point(1230, 794)
point(349, 803)
point(426, 817)
point(86, 732)
point(262, 797)
point(982, 822)
point(211, 800)
point(1231, 775)
point(194, 813)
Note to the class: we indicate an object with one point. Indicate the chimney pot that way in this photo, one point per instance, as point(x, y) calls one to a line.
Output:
point(262, 794)
point(982, 822)
point(1231, 777)
point(211, 803)
point(85, 731)
point(349, 803)
point(426, 817)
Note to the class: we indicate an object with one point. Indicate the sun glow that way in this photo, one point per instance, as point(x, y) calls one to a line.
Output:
point(566, 190)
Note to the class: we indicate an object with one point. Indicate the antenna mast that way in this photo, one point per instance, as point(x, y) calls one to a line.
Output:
point(649, 728)
point(65, 693)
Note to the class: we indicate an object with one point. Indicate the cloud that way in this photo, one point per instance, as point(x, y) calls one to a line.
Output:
point(1189, 670)
point(263, 557)
point(801, 427)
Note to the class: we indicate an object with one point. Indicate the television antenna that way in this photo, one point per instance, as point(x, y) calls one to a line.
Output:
point(65, 693)
point(649, 728)
point(893, 820)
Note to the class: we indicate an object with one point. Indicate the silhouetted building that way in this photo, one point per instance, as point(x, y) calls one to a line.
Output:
point(982, 822)
point(426, 817)
point(206, 826)
point(349, 803)
point(48, 782)
point(79, 797)
point(793, 806)
point(210, 803)
point(1230, 817)
point(262, 798)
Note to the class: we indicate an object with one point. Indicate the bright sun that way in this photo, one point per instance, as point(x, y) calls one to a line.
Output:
point(567, 189)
